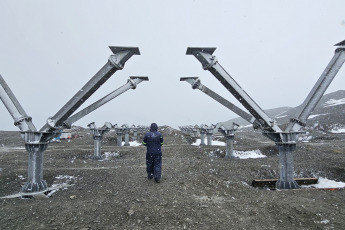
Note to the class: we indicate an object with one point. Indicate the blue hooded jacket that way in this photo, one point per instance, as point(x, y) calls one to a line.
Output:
point(153, 140)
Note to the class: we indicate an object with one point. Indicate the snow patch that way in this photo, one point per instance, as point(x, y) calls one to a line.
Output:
point(249, 154)
point(280, 116)
point(21, 177)
point(336, 130)
point(216, 143)
point(334, 102)
point(245, 126)
point(61, 182)
point(132, 143)
point(316, 115)
point(108, 155)
point(325, 183)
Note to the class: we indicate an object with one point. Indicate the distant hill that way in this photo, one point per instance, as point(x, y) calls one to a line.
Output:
point(328, 114)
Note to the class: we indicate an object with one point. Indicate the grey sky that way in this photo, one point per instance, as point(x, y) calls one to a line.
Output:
point(275, 50)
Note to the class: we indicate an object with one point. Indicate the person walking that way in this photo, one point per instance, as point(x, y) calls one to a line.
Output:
point(153, 141)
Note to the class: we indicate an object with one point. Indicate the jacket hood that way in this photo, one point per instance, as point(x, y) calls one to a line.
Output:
point(153, 127)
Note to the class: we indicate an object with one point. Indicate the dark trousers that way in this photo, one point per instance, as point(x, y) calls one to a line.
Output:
point(154, 165)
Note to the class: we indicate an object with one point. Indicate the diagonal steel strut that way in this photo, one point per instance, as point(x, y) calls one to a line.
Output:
point(319, 88)
point(209, 62)
point(131, 84)
point(196, 84)
point(21, 119)
point(115, 62)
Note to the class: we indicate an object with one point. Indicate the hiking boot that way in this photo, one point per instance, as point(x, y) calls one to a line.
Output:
point(149, 177)
point(157, 180)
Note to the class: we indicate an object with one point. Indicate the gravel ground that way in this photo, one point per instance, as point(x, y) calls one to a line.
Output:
point(199, 188)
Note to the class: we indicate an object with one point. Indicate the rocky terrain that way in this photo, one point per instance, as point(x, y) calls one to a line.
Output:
point(199, 188)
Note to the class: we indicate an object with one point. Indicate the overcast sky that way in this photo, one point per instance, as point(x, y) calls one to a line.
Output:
point(275, 50)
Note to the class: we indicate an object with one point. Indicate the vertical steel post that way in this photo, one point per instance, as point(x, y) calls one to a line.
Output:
point(97, 137)
point(209, 134)
point(126, 130)
point(135, 133)
point(286, 164)
point(229, 154)
point(118, 131)
point(202, 134)
point(35, 148)
point(229, 133)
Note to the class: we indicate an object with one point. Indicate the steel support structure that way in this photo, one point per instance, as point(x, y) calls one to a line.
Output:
point(209, 133)
point(228, 130)
point(203, 130)
point(97, 138)
point(115, 62)
point(134, 129)
point(285, 141)
point(131, 84)
point(196, 84)
point(36, 142)
point(126, 130)
point(119, 133)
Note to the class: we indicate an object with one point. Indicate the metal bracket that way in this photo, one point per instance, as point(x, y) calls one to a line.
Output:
point(121, 55)
point(204, 55)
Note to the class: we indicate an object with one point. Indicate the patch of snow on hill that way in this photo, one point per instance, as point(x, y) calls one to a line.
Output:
point(336, 130)
point(334, 102)
point(280, 116)
point(316, 115)
point(246, 126)
point(218, 143)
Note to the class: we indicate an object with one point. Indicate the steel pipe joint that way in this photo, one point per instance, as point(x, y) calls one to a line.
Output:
point(113, 60)
point(133, 83)
point(213, 61)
